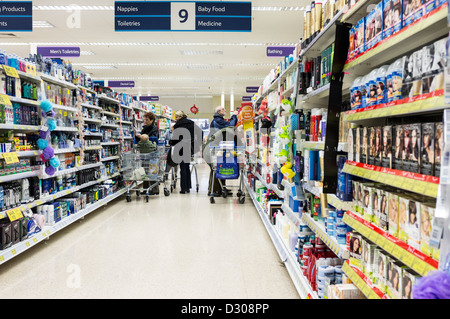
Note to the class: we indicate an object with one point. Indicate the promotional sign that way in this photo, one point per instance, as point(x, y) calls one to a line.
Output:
point(121, 84)
point(149, 98)
point(251, 89)
point(246, 98)
point(140, 16)
point(16, 16)
point(59, 52)
point(273, 51)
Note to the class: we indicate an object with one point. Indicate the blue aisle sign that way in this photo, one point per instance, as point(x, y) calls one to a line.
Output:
point(16, 16)
point(210, 16)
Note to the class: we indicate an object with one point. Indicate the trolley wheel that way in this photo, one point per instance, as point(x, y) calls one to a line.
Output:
point(146, 199)
point(224, 193)
point(239, 193)
point(212, 200)
point(242, 199)
point(166, 192)
point(128, 198)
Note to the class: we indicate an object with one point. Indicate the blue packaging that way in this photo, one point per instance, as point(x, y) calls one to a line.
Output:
point(408, 12)
point(429, 6)
point(387, 18)
point(374, 26)
point(359, 37)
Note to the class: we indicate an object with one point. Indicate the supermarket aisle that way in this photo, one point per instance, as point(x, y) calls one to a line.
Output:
point(175, 247)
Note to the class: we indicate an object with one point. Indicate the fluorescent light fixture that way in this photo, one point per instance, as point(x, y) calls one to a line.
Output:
point(278, 8)
point(42, 24)
point(100, 67)
point(201, 52)
point(204, 67)
point(84, 52)
point(74, 7)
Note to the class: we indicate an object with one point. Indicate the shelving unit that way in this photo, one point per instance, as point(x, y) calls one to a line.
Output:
point(263, 168)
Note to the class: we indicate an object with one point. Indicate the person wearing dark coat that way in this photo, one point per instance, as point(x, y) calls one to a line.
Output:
point(182, 127)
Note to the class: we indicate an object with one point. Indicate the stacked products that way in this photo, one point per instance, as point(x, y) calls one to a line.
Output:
point(411, 76)
point(412, 147)
point(316, 72)
point(386, 19)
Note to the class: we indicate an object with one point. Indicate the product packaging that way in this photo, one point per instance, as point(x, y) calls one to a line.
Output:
point(427, 149)
point(386, 147)
point(387, 18)
point(381, 269)
point(417, 58)
point(393, 213)
point(376, 201)
point(355, 249)
point(368, 251)
point(438, 148)
point(383, 208)
point(407, 76)
point(374, 26)
point(357, 144)
point(378, 145)
point(409, 9)
point(433, 65)
point(414, 223)
point(403, 228)
point(372, 145)
point(408, 280)
point(397, 149)
point(371, 87)
point(359, 37)
point(365, 145)
point(382, 92)
point(427, 211)
point(394, 287)
point(406, 152)
point(414, 154)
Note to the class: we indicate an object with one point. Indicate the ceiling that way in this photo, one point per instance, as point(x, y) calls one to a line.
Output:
point(162, 63)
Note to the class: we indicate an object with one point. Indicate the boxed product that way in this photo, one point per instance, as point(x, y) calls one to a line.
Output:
point(357, 144)
point(407, 76)
point(355, 248)
point(368, 251)
point(426, 221)
point(393, 213)
point(394, 287)
point(409, 10)
point(416, 59)
point(364, 145)
point(414, 222)
point(438, 148)
point(433, 66)
point(378, 141)
point(397, 16)
point(374, 26)
point(372, 145)
point(403, 229)
point(344, 291)
point(427, 149)
point(406, 147)
point(397, 149)
point(351, 45)
point(359, 37)
point(381, 269)
point(386, 147)
point(408, 280)
point(376, 201)
point(367, 201)
point(414, 154)
point(383, 215)
point(387, 18)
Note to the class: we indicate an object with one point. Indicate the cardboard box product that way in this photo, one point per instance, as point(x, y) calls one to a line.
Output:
point(387, 18)
point(372, 145)
point(414, 154)
point(406, 147)
point(381, 269)
point(407, 76)
point(358, 144)
point(408, 280)
point(383, 206)
point(397, 148)
point(359, 37)
point(397, 16)
point(386, 147)
point(403, 229)
point(417, 58)
point(368, 251)
point(438, 147)
point(426, 222)
point(364, 145)
point(376, 202)
point(378, 145)
point(355, 249)
point(393, 213)
point(427, 149)
point(414, 222)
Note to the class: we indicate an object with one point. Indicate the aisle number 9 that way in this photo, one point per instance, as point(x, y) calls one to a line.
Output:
point(182, 16)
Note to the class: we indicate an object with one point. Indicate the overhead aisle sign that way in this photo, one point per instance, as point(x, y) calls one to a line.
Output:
point(16, 16)
point(211, 16)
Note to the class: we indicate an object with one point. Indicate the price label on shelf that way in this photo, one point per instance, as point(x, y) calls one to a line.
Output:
point(11, 71)
point(14, 214)
point(4, 99)
point(10, 158)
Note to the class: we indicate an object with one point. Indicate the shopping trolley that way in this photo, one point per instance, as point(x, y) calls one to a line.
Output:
point(141, 167)
point(172, 171)
point(227, 164)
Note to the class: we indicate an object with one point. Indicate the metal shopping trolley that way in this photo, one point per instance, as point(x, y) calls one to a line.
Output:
point(172, 171)
point(145, 167)
point(227, 164)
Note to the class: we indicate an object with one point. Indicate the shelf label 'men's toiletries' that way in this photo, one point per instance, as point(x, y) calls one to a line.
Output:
point(182, 16)
point(16, 16)
point(58, 52)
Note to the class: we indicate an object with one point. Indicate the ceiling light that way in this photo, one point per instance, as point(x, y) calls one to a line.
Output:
point(42, 24)
point(277, 8)
point(86, 53)
point(74, 7)
point(204, 67)
point(201, 52)
point(100, 67)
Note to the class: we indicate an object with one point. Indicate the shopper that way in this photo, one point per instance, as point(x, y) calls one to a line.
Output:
point(185, 138)
point(150, 127)
point(217, 124)
point(151, 130)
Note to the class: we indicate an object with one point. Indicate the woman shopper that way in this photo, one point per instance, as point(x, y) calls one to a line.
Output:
point(184, 144)
point(150, 128)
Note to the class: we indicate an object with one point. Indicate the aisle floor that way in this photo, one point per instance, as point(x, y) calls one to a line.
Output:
point(179, 246)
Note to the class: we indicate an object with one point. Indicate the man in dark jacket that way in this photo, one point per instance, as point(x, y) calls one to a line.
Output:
point(219, 122)
point(186, 138)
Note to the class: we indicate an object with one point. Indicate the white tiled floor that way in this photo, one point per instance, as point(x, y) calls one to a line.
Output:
point(179, 246)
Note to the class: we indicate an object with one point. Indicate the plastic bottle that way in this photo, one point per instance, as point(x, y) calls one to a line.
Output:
point(397, 76)
point(16, 113)
point(356, 94)
point(2, 57)
point(381, 84)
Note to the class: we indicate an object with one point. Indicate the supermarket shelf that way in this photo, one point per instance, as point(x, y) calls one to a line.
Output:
point(107, 98)
point(431, 27)
point(126, 122)
point(24, 75)
point(416, 183)
point(64, 107)
point(90, 106)
point(54, 80)
point(18, 127)
point(65, 129)
point(408, 255)
point(109, 125)
point(93, 134)
point(110, 113)
point(86, 89)
point(15, 177)
point(337, 203)
point(312, 189)
point(66, 150)
point(93, 148)
point(126, 106)
point(362, 282)
point(19, 248)
point(323, 39)
point(400, 108)
point(317, 97)
point(110, 158)
point(110, 143)
point(23, 101)
point(314, 145)
point(319, 229)
point(92, 120)
point(357, 11)
point(28, 153)
point(300, 282)
point(70, 170)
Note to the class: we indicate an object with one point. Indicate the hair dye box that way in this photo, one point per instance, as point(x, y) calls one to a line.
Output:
point(414, 221)
point(407, 76)
point(381, 269)
point(414, 156)
point(378, 145)
point(386, 147)
point(406, 147)
point(387, 18)
point(427, 212)
point(359, 37)
point(364, 145)
point(357, 155)
point(372, 145)
point(374, 26)
point(409, 11)
point(397, 148)
point(408, 280)
point(397, 15)
point(394, 284)
point(416, 59)
point(368, 251)
point(383, 208)
point(403, 229)
point(427, 149)
point(393, 213)
point(438, 147)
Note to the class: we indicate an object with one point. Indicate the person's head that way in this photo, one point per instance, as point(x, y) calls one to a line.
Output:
point(179, 115)
point(220, 110)
point(144, 137)
point(149, 118)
